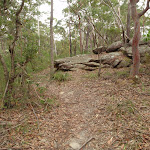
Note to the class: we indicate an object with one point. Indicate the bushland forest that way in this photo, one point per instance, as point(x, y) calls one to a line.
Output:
point(77, 83)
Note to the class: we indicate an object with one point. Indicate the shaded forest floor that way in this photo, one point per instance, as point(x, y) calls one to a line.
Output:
point(84, 113)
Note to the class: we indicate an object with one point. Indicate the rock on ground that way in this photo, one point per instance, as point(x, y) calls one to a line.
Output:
point(114, 46)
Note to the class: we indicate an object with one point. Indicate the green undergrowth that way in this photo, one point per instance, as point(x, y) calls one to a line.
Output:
point(22, 82)
point(129, 123)
point(61, 76)
point(91, 75)
point(115, 74)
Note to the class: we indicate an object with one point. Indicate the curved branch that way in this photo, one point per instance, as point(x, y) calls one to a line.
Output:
point(21, 7)
point(145, 10)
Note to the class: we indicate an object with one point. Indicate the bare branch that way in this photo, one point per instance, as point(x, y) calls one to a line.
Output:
point(21, 7)
point(145, 10)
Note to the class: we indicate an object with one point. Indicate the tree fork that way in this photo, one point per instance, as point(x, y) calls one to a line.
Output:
point(12, 56)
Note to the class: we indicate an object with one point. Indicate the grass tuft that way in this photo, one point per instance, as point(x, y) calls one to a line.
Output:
point(91, 75)
point(61, 76)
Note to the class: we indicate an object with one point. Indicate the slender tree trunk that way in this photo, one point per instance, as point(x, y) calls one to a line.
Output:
point(87, 41)
point(70, 42)
point(13, 75)
point(51, 44)
point(91, 41)
point(136, 38)
point(75, 44)
point(39, 40)
point(128, 21)
point(55, 48)
point(87, 36)
point(80, 32)
point(135, 48)
point(75, 47)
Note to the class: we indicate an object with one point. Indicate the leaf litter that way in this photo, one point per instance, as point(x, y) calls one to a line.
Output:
point(111, 110)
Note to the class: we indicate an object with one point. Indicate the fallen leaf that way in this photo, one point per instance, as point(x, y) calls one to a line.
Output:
point(110, 141)
point(122, 146)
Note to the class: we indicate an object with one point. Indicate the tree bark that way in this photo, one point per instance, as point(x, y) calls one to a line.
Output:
point(80, 32)
point(136, 37)
point(87, 36)
point(70, 42)
point(51, 43)
point(12, 57)
point(128, 20)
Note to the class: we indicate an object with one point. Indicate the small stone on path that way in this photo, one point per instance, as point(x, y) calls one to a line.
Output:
point(74, 145)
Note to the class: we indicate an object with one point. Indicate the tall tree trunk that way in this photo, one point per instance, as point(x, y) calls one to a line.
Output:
point(135, 47)
point(75, 47)
point(75, 44)
point(80, 32)
point(91, 41)
point(87, 36)
point(39, 40)
point(87, 41)
point(51, 44)
point(13, 75)
point(128, 21)
point(70, 43)
point(136, 38)
point(55, 50)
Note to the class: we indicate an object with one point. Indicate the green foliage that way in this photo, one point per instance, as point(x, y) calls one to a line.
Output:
point(123, 109)
point(31, 47)
point(122, 74)
point(126, 107)
point(147, 36)
point(91, 75)
point(48, 101)
point(61, 76)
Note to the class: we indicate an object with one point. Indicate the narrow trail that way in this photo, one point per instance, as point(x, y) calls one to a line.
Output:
point(89, 113)
point(81, 115)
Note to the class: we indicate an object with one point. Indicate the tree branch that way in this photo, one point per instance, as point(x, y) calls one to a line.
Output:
point(145, 10)
point(17, 26)
point(21, 7)
point(90, 21)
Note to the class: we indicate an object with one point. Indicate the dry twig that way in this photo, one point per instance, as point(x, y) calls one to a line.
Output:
point(86, 143)
point(35, 116)
point(5, 92)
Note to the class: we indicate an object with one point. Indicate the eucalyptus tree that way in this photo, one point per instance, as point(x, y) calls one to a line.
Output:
point(136, 38)
point(96, 19)
point(18, 26)
point(51, 43)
